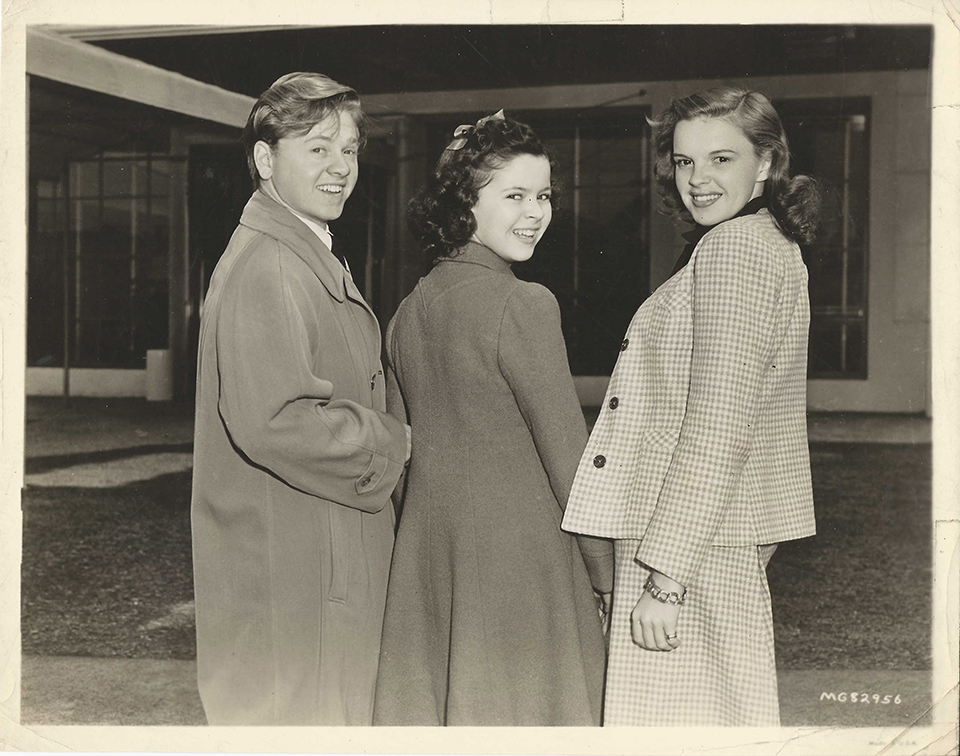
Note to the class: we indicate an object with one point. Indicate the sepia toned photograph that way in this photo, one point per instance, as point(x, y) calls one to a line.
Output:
point(503, 375)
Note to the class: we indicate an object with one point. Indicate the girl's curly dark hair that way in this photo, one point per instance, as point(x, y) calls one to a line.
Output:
point(797, 203)
point(440, 216)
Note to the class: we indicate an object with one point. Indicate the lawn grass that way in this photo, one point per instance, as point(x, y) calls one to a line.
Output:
point(99, 565)
point(858, 594)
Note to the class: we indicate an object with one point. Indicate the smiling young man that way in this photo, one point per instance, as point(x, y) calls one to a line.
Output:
point(294, 456)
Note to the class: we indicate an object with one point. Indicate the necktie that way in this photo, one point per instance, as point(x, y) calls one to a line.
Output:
point(339, 255)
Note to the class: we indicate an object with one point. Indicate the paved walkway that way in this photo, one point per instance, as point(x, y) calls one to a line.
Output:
point(69, 690)
point(869, 428)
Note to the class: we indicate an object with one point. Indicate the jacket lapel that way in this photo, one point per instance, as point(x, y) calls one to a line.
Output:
point(267, 216)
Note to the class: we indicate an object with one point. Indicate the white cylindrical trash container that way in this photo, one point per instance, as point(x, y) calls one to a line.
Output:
point(159, 375)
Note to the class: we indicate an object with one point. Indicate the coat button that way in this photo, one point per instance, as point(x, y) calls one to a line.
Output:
point(614, 403)
point(365, 481)
point(599, 461)
point(624, 344)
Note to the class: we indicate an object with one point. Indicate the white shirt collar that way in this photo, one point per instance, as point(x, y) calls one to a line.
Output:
point(322, 232)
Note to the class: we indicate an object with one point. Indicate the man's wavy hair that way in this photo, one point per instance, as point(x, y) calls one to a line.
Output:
point(796, 203)
point(440, 216)
point(293, 105)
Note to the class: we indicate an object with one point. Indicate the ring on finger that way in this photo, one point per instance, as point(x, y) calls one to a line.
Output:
point(672, 637)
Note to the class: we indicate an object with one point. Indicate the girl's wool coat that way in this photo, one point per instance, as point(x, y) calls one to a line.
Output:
point(490, 618)
point(294, 463)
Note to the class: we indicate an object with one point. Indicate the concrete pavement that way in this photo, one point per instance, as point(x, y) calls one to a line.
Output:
point(70, 690)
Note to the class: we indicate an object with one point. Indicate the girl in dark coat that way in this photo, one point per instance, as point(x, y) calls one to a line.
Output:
point(491, 618)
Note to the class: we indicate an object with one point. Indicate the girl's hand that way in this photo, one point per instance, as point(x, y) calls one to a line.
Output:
point(654, 623)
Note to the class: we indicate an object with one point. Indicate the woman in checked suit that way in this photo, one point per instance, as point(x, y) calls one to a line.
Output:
point(698, 464)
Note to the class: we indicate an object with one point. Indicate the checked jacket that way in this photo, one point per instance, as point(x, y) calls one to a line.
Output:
point(702, 438)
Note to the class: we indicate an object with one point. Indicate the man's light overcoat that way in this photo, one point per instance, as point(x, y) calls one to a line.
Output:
point(295, 460)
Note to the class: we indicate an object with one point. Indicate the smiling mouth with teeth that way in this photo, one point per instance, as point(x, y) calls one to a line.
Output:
point(525, 233)
point(332, 188)
point(704, 198)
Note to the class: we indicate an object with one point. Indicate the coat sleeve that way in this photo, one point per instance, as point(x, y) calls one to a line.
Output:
point(396, 406)
point(277, 412)
point(737, 287)
point(533, 359)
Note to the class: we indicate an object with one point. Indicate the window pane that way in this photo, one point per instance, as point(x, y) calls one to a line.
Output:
point(856, 281)
point(85, 179)
point(87, 344)
point(117, 177)
point(87, 296)
point(118, 259)
point(859, 149)
point(141, 177)
point(160, 178)
point(837, 348)
point(595, 256)
point(85, 219)
point(113, 348)
point(47, 216)
point(152, 308)
point(829, 139)
point(45, 277)
point(156, 258)
point(49, 189)
point(856, 214)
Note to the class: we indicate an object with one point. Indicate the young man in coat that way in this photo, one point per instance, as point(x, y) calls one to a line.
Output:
point(295, 457)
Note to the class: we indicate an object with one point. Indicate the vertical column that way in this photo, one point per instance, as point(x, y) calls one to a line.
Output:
point(179, 269)
point(404, 263)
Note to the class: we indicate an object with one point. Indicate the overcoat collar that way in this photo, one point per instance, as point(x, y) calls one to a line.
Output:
point(269, 217)
point(478, 254)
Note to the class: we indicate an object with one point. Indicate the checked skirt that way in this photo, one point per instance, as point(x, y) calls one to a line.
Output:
point(723, 672)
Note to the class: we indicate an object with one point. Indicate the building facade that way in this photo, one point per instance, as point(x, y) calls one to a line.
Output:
point(132, 202)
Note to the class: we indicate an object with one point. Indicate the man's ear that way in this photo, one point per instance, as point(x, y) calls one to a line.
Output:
point(263, 159)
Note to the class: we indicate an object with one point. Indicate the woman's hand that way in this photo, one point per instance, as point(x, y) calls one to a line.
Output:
point(654, 623)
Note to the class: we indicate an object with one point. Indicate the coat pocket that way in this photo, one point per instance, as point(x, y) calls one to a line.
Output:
point(338, 548)
point(653, 461)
